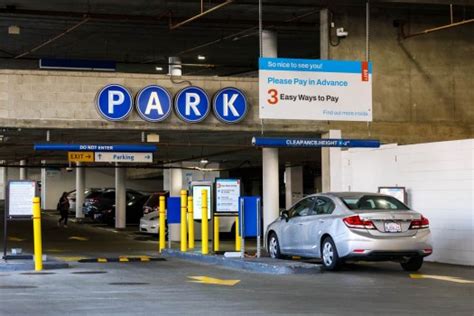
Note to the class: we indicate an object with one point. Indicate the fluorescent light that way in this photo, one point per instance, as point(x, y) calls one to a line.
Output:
point(204, 161)
point(14, 30)
point(201, 57)
point(158, 68)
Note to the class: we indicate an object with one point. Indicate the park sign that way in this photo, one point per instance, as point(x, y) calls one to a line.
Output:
point(311, 89)
point(154, 103)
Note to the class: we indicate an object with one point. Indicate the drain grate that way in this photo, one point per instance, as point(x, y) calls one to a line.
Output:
point(88, 272)
point(128, 283)
point(12, 287)
point(37, 273)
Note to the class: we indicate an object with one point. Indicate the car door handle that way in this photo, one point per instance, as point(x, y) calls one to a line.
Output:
point(300, 224)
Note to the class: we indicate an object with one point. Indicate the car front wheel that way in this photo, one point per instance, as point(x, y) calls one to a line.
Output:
point(274, 247)
point(413, 264)
point(329, 255)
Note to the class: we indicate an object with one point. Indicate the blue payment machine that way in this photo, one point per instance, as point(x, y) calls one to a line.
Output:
point(174, 210)
point(250, 218)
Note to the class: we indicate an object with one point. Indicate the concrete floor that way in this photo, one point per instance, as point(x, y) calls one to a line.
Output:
point(164, 287)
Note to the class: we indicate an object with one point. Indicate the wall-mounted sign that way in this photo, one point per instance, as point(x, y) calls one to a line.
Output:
point(314, 142)
point(96, 147)
point(20, 194)
point(80, 156)
point(123, 157)
point(230, 105)
point(310, 89)
point(192, 104)
point(196, 188)
point(114, 102)
point(153, 103)
point(227, 195)
point(397, 192)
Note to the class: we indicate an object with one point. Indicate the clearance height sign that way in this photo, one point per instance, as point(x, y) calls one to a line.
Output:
point(309, 89)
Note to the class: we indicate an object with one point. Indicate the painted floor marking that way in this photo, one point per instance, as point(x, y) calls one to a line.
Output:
point(69, 259)
point(102, 260)
point(53, 250)
point(78, 238)
point(441, 278)
point(208, 280)
point(13, 238)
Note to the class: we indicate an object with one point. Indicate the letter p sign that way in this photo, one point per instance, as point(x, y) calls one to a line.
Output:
point(114, 102)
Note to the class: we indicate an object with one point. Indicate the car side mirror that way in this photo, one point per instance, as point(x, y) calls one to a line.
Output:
point(285, 215)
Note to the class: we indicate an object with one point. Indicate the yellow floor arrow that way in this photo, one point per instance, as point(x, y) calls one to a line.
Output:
point(209, 280)
point(78, 238)
point(15, 239)
point(441, 277)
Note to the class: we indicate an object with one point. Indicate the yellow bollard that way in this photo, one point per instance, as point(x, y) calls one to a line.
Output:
point(216, 233)
point(184, 234)
point(204, 224)
point(162, 223)
point(190, 222)
point(37, 234)
point(237, 235)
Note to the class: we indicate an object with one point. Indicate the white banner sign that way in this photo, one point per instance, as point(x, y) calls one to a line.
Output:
point(227, 195)
point(197, 200)
point(123, 157)
point(310, 89)
point(20, 198)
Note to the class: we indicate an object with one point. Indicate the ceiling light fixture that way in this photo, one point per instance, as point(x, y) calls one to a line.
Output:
point(201, 57)
point(159, 68)
point(204, 161)
point(14, 30)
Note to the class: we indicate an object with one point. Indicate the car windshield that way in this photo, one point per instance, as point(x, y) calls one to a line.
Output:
point(374, 202)
point(153, 200)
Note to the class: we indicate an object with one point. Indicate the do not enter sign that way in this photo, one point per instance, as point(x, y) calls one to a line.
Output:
point(81, 156)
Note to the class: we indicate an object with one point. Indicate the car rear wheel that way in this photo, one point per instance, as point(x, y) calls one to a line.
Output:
point(329, 255)
point(413, 264)
point(274, 247)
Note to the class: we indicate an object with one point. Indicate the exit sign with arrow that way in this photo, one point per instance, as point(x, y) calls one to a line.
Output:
point(81, 156)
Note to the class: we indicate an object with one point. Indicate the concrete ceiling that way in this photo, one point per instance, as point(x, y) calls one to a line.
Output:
point(137, 34)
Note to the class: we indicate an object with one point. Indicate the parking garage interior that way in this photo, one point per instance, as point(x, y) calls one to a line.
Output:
point(57, 57)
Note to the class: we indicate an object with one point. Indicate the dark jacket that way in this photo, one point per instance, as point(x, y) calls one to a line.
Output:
point(63, 204)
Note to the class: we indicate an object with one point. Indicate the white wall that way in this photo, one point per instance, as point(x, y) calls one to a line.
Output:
point(439, 178)
point(59, 181)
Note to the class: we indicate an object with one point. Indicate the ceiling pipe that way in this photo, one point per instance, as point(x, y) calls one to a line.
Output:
point(203, 13)
point(72, 28)
point(435, 29)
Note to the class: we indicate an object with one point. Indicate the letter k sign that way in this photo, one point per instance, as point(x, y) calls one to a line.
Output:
point(229, 104)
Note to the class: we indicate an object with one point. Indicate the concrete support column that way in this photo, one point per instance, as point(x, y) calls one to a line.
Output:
point(173, 182)
point(269, 44)
point(324, 33)
point(80, 188)
point(271, 196)
point(293, 185)
point(23, 171)
point(120, 198)
point(331, 168)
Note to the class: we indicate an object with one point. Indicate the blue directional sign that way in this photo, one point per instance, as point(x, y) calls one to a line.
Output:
point(114, 102)
point(314, 142)
point(230, 105)
point(192, 104)
point(97, 147)
point(153, 103)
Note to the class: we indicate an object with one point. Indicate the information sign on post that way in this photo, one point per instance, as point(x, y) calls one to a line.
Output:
point(227, 196)
point(20, 194)
point(196, 188)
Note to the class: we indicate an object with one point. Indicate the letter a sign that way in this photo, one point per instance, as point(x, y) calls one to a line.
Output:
point(153, 103)
point(230, 105)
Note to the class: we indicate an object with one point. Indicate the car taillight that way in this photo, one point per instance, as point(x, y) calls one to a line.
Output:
point(356, 222)
point(420, 223)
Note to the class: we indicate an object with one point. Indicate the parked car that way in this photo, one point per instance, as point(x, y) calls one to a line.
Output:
point(152, 204)
point(71, 196)
point(149, 223)
point(133, 211)
point(340, 227)
point(96, 204)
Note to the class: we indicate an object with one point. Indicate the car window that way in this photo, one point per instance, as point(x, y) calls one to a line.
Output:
point(302, 208)
point(323, 206)
point(374, 202)
point(109, 195)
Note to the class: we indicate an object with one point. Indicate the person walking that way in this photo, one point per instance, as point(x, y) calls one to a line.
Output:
point(63, 208)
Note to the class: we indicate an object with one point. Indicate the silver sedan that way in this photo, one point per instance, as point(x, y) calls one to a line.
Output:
point(351, 226)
